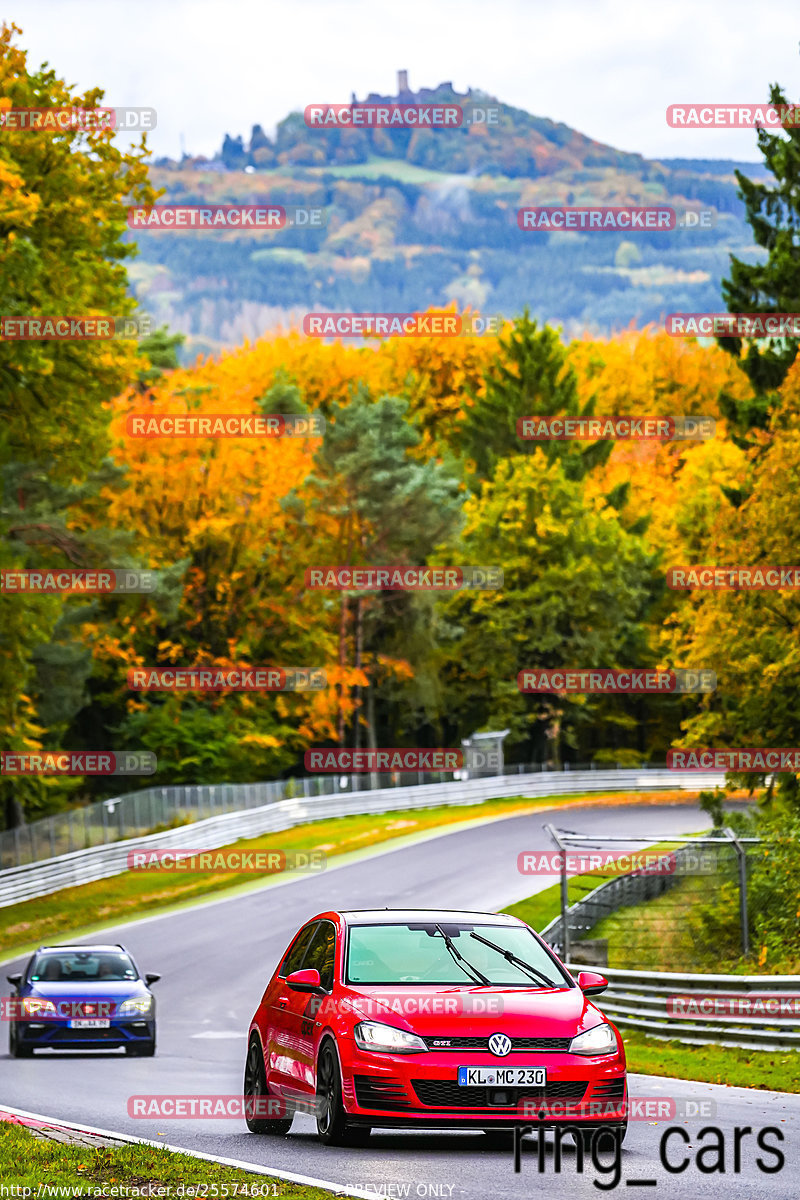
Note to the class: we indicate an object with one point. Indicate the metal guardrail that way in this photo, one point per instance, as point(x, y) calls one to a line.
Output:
point(100, 862)
point(136, 814)
point(638, 999)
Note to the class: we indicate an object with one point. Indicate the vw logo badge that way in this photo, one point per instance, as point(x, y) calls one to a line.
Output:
point(500, 1045)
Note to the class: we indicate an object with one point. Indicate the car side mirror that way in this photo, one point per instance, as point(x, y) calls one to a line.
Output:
point(16, 980)
point(151, 978)
point(305, 981)
point(592, 984)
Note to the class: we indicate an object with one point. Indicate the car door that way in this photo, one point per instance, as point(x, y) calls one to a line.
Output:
point(280, 1051)
point(320, 956)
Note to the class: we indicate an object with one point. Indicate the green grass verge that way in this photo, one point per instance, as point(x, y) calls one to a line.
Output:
point(733, 1065)
point(27, 1161)
point(124, 897)
point(657, 936)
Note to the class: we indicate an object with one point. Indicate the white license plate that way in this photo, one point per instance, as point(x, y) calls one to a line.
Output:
point(88, 1023)
point(502, 1076)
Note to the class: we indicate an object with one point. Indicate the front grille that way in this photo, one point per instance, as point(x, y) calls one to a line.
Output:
point(445, 1093)
point(481, 1043)
point(380, 1093)
point(85, 1035)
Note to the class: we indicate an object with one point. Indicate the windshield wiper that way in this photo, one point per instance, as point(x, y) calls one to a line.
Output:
point(515, 959)
point(448, 941)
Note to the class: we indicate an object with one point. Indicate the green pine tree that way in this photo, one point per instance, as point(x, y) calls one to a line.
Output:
point(529, 377)
point(771, 285)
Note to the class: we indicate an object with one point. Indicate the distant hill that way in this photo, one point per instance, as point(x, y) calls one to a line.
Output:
point(424, 217)
point(518, 146)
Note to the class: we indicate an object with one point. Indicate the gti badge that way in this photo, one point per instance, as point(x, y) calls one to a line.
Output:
point(500, 1045)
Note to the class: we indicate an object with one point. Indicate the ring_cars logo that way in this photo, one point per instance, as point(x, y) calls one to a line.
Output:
point(500, 1045)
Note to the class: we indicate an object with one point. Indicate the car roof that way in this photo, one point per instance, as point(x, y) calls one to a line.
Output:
point(106, 949)
point(402, 916)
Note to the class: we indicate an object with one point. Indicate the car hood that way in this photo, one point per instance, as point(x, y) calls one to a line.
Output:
point(477, 1012)
point(87, 990)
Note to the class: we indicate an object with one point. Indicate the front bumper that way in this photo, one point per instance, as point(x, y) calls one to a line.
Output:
point(402, 1090)
point(56, 1035)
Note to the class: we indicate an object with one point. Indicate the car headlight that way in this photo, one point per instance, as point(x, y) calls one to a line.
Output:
point(34, 1007)
point(599, 1040)
point(133, 1008)
point(385, 1039)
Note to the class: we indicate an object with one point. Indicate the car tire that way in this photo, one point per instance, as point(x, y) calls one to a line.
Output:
point(255, 1085)
point(332, 1125)
point(14, 1048)
point(141, 1049)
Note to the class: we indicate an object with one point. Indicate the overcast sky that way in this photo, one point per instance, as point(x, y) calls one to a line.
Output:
point(609, 68)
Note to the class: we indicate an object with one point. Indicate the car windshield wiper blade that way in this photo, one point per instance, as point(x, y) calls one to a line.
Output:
point(455, 953)
point(509, 956)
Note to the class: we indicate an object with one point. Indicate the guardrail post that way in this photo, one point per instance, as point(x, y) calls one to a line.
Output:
point(741, 854)
point(565, 946)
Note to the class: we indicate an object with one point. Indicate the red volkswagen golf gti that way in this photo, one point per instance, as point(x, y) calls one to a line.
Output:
point(425, 1018)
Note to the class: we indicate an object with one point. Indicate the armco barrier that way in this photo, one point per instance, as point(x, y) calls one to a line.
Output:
point(101, 862)
point(638, 999)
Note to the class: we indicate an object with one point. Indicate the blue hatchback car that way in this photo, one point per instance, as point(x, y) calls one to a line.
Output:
point(81, 998)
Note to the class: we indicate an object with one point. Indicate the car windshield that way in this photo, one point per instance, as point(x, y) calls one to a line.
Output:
point(418, 953)
point(93, 966)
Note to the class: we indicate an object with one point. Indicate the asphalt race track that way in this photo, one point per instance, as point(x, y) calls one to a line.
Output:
point(216, 958)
